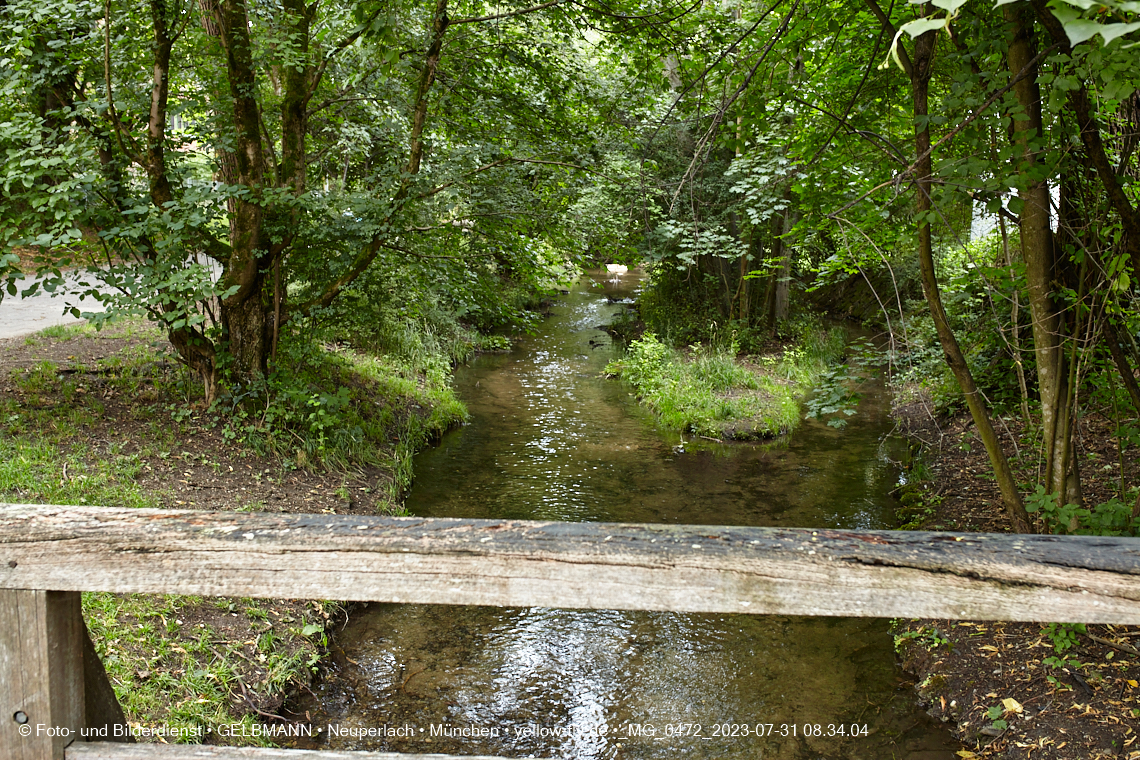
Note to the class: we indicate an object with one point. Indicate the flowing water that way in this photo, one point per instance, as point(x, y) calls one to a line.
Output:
point(551, 439)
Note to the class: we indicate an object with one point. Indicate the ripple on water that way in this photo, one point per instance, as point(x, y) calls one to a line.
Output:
point(551, 439)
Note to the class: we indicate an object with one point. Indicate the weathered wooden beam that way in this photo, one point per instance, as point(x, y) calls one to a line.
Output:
point(101, 708)
point(585, 565)
point(41, 673)
point(104, 751)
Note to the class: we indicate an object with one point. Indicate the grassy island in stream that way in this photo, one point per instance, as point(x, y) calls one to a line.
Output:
point(711, 391)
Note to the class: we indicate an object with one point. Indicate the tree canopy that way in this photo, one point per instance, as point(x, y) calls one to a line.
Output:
point(230, 167)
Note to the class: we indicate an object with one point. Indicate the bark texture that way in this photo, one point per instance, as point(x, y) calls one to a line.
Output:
point(1043, 266)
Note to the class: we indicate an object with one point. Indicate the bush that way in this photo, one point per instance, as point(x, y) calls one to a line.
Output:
point(1110, 518)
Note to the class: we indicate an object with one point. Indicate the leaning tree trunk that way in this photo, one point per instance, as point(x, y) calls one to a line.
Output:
point(920, 81)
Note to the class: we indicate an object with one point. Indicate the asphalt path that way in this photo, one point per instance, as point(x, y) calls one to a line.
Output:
point(23, 316)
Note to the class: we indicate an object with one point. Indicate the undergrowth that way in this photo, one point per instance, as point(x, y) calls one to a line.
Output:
point(172, 668)
point(336, 407)
point(164, 673)
point(324, 406)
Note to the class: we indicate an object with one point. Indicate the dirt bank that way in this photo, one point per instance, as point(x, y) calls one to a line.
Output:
point(1017, 690)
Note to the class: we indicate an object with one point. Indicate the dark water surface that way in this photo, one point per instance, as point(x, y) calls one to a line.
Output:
point(550, 439)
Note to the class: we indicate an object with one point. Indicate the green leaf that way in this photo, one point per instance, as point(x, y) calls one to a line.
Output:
point(1111, 31)
point(1080, 30)
point(922, 26)
point(312, 628)
point(1084, 5)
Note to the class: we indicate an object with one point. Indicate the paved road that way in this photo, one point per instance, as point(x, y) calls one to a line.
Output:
point(23, 316)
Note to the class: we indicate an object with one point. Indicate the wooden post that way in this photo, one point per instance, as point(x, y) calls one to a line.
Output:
point(41, 673)
point(102, 709)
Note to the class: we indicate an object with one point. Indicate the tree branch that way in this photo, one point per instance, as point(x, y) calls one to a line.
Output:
point(885, 20)
point(700, 77)
point(112, 114)
point(339, 48)
point(1091, 139)
point(949, 135)
point(723, 109)
point(508, 14)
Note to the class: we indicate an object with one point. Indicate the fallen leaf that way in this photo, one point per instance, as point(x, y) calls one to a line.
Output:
point(1011, 705)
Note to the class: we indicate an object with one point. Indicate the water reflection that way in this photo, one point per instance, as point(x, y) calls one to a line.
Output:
point(551, 439)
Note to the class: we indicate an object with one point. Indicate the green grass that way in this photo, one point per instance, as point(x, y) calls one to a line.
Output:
point(163, 672)
point(37, 471)
point(340, 409)
point(65, 332)
point(170, 672)
point(709, 392)
point(191, 676)
point(415, 407)
point(121, 327)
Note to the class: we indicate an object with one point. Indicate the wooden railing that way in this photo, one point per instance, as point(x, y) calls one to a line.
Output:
point(49, 675)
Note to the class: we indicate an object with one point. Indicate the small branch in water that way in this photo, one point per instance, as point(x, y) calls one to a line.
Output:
point(255, 708)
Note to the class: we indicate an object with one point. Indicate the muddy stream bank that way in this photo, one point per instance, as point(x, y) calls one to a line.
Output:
point(550, 439)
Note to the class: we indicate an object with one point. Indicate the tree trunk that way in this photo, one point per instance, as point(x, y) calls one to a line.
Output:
point(1042, 267)
point(246, 315)
point(772, 279)
point(920, 80)
point(784, 273)
point(200, 356)
point(1014, 319)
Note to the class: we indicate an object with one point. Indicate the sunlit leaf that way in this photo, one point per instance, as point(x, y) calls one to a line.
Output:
point(922, 26)
point(1111, 31)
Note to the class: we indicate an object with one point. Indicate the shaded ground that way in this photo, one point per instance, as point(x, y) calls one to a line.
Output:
point(97, 418)
point(184, 458)
point(1019, 690)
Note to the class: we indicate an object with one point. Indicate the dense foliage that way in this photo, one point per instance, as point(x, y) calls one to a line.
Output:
point(242, 171)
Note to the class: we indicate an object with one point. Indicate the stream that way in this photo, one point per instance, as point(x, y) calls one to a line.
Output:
point(550, 439)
